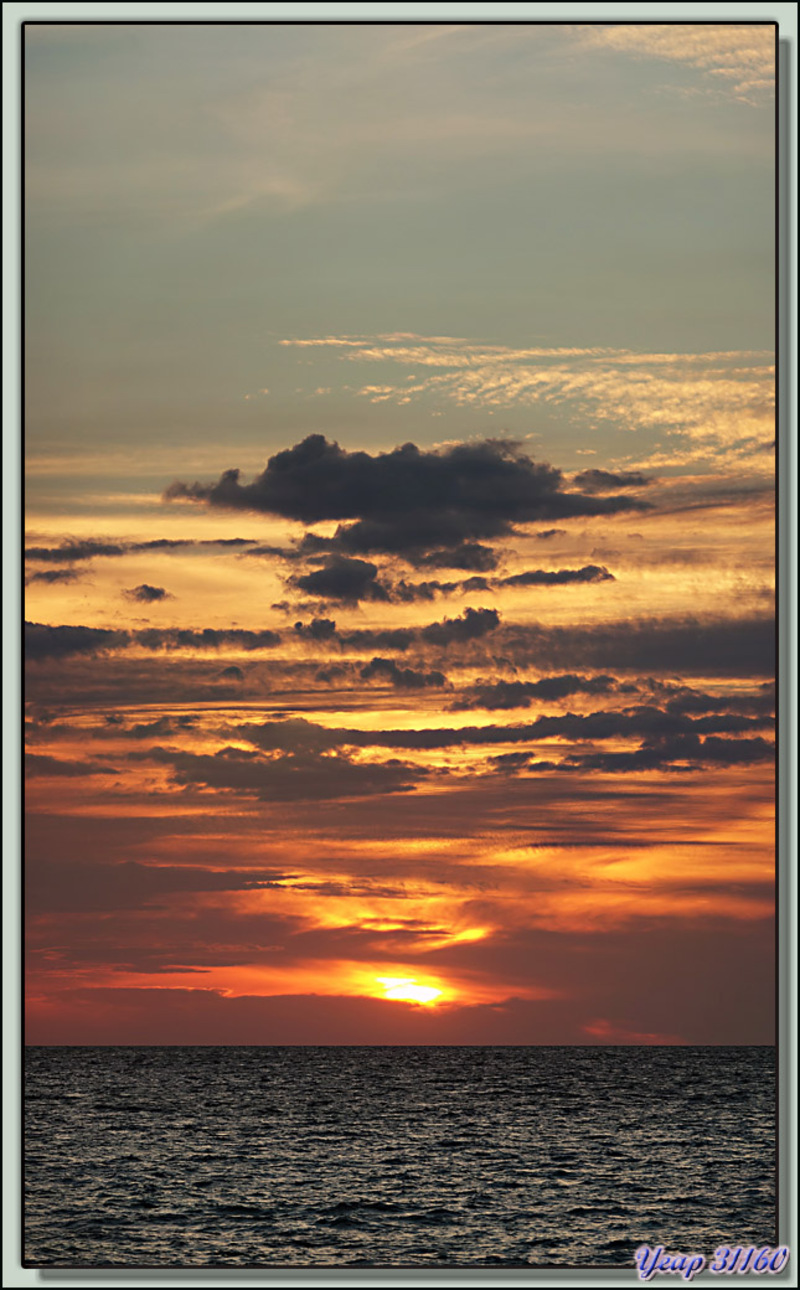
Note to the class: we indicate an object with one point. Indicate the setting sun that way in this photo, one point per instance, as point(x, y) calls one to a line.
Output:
point(407, 989)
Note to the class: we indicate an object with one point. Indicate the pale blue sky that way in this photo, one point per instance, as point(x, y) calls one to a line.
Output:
point(196, 195)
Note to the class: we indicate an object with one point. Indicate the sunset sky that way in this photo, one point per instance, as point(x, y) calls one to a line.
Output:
point(400, 533)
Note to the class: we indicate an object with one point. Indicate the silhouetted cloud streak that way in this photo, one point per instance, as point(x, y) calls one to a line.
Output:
point(663, 752)
point(471, 625)
point(403, 678)
point(296, 776)
point(51, 576)
point(605, 481)
point(519, 694)
point(147, 594)
point(72, 550)
point(43, 642)
point(694, 646)
point(39, 764)
point(556, 577)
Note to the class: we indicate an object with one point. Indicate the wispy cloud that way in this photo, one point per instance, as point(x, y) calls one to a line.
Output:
point(716, 401)
point(738, 60)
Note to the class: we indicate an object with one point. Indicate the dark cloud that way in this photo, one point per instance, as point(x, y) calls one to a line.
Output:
point(160, 727)
point(512, 761)
point(334, 673)
point(72, 550)
point(732, 752)
point(37, 764)
point(471, 556)
point(72, 886)
point(282, 552)
point(688, 701)
point(407, 502)
point(662, 752)
point(410, 592)
point(297, 776)
point(290, 734)
point(519, 694)
point(171, 544)
point(157, 677)
point(146, 594)
point(399, 638)
point(605, 481)
point(344, 580)
point(175, 638)
point(232, 542)
point(161, 544)
point(544, 534)
point(644, 721)
point(349, 580)
point(403, 678)
point(54, 576)
point(42, 642)
point(702, 646)
point(366, 539)
point(556, 577)
point(319, 629)
point(701, 493)
point(232, 673)
point(472, 624)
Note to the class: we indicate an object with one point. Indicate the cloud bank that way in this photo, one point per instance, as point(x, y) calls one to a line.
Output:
point(425, 506)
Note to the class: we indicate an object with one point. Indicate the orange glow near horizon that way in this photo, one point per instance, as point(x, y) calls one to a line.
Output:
point(240, 837)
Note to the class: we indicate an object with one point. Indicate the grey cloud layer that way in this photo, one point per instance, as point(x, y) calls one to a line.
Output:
point(43, 641)
point(642, 721)
point(347, 581)
point(303, 775)
point(662, 752)
point(694, 647)
point(605, 481)
point(50, 577)
point(557, 577)
point(520, 694)
point(702, 646)
point(403, 678)
point(72, 551)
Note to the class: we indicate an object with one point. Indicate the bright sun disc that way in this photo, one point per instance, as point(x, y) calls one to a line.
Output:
point(406, 988)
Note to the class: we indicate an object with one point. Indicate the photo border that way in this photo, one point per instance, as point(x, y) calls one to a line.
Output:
point(15, 15)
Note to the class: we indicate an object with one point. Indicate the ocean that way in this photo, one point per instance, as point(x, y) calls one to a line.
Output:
point(395, 1157)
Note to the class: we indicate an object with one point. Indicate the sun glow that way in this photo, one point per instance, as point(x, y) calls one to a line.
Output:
point(407, 989)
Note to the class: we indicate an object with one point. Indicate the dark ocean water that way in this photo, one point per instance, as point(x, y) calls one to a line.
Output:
point(395, 1157)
